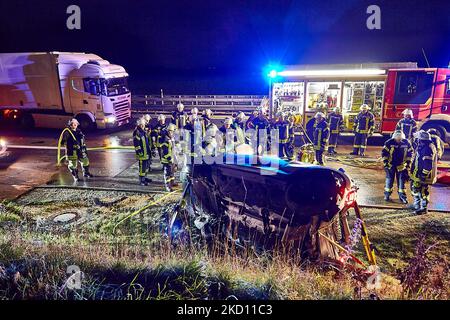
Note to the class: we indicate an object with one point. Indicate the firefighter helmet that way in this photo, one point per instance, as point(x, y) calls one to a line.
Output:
point(228, 120)
point(407, 112)
point(171, 127)
point(398, 134)
point(240, 115)
point(73, 121)
point(364, 107)
point(208, 112)
point(432, 131)
point(319, 115)
point(141, 122)
point(180, 106)
point(194, 111)
point(161, 117)
point(336, 110)
point(147, 117)
point(422, 135)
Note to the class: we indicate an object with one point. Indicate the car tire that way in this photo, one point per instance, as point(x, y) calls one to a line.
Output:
point(26, 121)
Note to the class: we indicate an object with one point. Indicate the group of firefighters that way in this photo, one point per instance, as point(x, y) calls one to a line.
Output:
point(408, 154)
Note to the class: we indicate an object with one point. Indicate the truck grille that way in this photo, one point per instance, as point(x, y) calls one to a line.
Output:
point(122, 111)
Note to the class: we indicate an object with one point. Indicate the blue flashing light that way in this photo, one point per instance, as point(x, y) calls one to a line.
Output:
point(272, 74)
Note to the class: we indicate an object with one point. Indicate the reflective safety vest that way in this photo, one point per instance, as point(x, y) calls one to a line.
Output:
point(439, 144)
point(407, 126)
point(364, 122)
point(142, 145)
point(157, 132)
point(284, 131)
point(397, 155)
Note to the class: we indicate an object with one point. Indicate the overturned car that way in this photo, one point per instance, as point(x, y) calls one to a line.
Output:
point(265, 202)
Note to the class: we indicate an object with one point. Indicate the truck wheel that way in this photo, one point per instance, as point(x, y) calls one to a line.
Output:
point(86, 124)
point(26, 121)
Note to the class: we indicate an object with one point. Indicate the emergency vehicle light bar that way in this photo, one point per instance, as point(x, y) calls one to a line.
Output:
point(337, 73)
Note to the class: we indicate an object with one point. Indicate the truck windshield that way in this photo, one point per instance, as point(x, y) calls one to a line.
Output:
point(413, 87)
point(116, 86)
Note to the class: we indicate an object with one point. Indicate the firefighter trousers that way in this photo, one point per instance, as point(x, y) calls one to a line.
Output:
point(286, 150)
point(73, 163)
point(420, 193)
point(360, 143)
point(144, 166)
point(319, 156)
point(169, 177)
point(332, 142)
point(391, 175)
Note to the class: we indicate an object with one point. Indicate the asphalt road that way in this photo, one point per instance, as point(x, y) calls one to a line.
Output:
point(31, 162)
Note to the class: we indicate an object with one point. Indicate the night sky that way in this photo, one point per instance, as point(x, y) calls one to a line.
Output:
point(222, 46)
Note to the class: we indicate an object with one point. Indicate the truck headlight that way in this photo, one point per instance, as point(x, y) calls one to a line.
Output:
point(110, 119)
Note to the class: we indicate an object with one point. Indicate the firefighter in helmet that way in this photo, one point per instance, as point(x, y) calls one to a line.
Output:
point(283, 126)
point(320, 136)
point(261, 125)
point(396, 154)
point(228, 137)
point(142, 147)
point(206, 120)
point(179, 116)
point(363, 128)
point(157, 131)
point(423, 171)
point(408, 125)
point(336, 123)
point(167, 145)
point(239, 127)
point(76, 150)
point(437, 141)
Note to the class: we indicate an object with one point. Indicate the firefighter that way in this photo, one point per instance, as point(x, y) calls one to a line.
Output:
point(228, 136)
point(157, 131)
point(396, 154)
point(408, 125)
point(239, 128)
point(206, 120)
point(437, 141)
point(260, 139)
point(283, 126)
point(310, 127)
point(179, 116)
point(249, 124)
point(76, 150)
point(142, 147)
point(363, 128)
point(320, 136)
point(336, 123)
point(194, 112)
point(209, 144)
point(423, 171)
point(167, 145)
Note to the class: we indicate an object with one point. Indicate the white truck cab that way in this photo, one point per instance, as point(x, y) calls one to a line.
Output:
point(47, 89)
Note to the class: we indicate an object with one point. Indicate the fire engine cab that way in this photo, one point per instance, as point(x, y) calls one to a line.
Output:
point(388, 88)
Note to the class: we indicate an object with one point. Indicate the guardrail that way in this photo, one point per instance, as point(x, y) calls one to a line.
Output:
point(221, 105)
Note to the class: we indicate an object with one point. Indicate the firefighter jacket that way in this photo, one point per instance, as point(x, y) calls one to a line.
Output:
point(439, 144)
point(364, 123)
point(228, 139)
point(320, 135)
point(249, 124)
point(142, 144)
point(424, 163)
point(407, 126)
point(335, 122)
point(397, 155)
point(260, 124)
point(239, 128)
point(206, 124)
point(75, 144)
point(310, 127)
point(179, 119)
point(156, 133)
point(167, 147)
point(284, 130)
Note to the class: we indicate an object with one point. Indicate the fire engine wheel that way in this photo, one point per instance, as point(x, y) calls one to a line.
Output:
point(26, 121)
point(439, 129)
point(86, 123)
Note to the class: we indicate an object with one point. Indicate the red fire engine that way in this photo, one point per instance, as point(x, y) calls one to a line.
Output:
point(388, 88)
